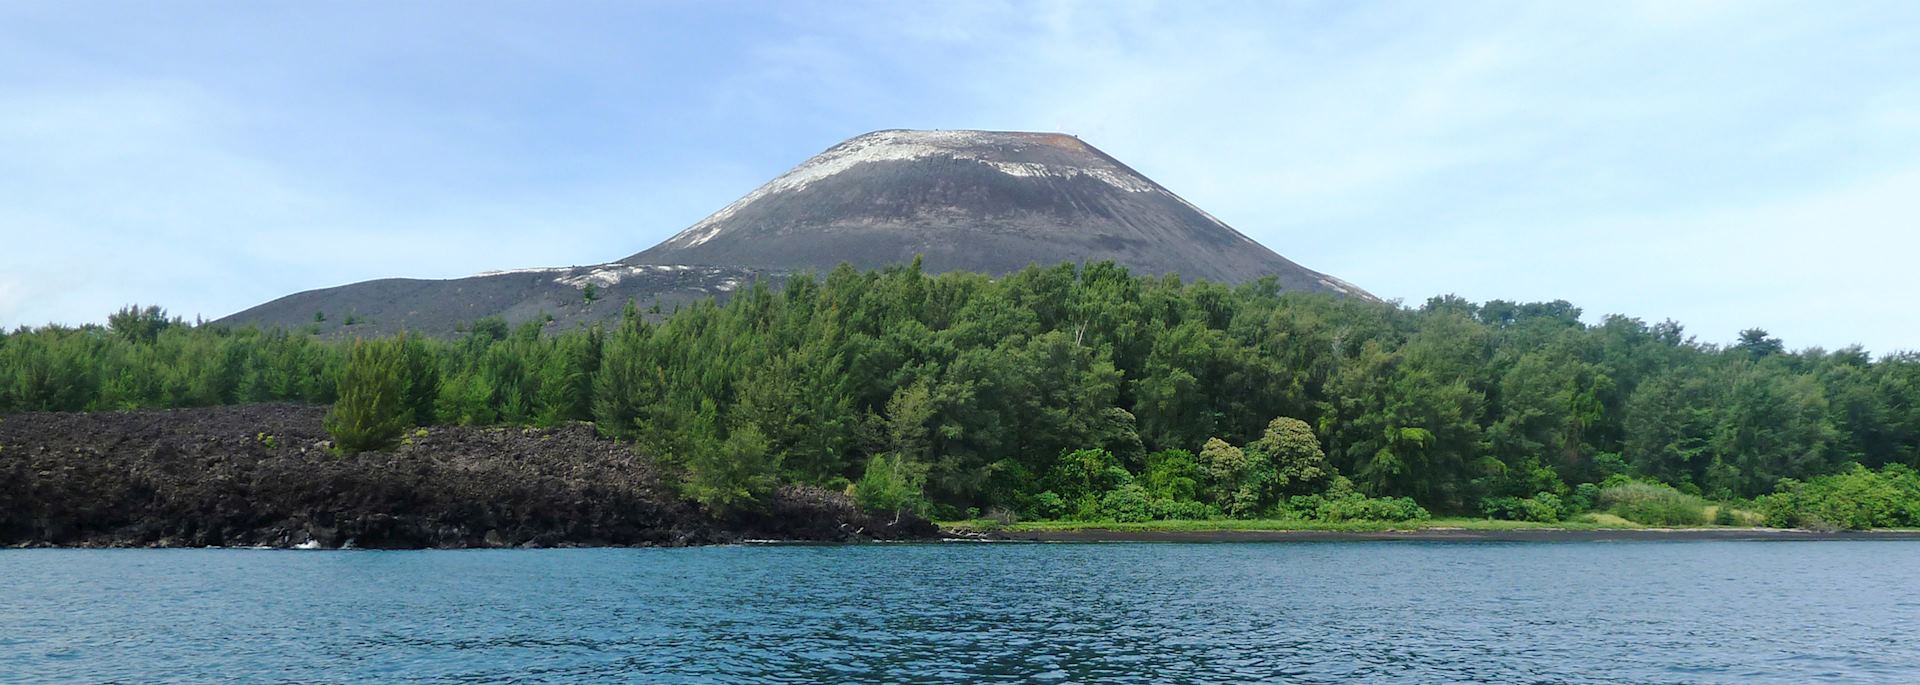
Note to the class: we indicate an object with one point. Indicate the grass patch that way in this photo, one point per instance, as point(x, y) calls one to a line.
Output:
point(1606, 520)
point(1586, 522)
point(1653, 504)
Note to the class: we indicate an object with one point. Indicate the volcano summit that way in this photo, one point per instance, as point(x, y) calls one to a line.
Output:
point(974, 201)
point(984, 201)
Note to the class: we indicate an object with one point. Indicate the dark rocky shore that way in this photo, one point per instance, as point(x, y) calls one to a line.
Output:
point(261, 475)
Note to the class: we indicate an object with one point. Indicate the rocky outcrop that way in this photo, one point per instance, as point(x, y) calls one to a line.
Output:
point(262, 475)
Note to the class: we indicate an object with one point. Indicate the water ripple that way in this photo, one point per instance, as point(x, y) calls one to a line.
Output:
point(1707, 612)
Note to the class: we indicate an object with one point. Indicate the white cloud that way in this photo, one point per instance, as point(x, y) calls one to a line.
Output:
point(1655, 159)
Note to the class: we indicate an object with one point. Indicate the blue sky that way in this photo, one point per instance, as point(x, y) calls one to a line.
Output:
point(1726, 165)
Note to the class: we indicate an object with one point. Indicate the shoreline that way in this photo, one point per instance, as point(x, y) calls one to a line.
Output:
point(1108, 535)
point(1435, 534)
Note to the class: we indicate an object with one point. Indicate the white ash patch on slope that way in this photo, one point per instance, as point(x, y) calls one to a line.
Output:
point(1126, 182)
point(902, 145)
point(609, 275)
point(603, 275)
point(1346, 288)
point(600, 276)
point(532, 270)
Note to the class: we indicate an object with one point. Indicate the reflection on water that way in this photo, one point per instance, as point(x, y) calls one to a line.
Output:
point(1733, 612)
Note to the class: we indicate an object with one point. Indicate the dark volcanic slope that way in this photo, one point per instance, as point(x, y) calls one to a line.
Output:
point(975, 201)
point(962, 200)
point(439, 307)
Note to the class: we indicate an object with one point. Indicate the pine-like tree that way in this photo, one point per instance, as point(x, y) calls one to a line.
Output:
point(370, 413)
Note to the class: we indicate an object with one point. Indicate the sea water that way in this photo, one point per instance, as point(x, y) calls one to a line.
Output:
point(1334, 612)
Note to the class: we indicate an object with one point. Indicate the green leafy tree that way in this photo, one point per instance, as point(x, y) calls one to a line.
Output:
point(893, 485)
point(1173, 475)
point(138, 325)
point(988, 382)
point(1298, 464)
point(1234, 479)
point(733, 474)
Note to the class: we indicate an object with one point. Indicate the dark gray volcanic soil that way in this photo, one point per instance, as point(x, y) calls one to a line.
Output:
point(259, 475)
point(991, 202)
point(440, 307)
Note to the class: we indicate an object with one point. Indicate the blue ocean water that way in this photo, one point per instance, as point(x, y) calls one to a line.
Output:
point(1412, 612)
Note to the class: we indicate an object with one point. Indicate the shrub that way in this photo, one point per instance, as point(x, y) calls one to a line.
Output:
point(369, 414)
point(1652, 504)
point(1544, 507)
point(1084, 508)
point(1353, 506)
point(1087, 474)
point(1858, 499)
point(1584, 497)
point(1127, 504)
point(1172, 474)
point(1356, 507)
point(1182, 510)
point(1047, 505)
point(1507, 508)
point(1723, 516)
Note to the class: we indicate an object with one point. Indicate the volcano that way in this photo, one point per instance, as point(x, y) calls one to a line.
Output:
point(986, 201)
point(983, 201)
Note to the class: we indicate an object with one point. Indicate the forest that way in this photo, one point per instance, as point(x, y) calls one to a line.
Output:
point(1091, 393)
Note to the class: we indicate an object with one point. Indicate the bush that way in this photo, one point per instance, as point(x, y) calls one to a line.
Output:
point(1723, 516)
point(1087, 474)
point(1652, 504)
point(1127, 504)
point(1047, 505)
point(1544, 507)
point(1506, 508)
point(1353, 506)
point(1182, 510)
point(1173, 475)
point(370, 413)
point(1584, 497)
point(1858, 499)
